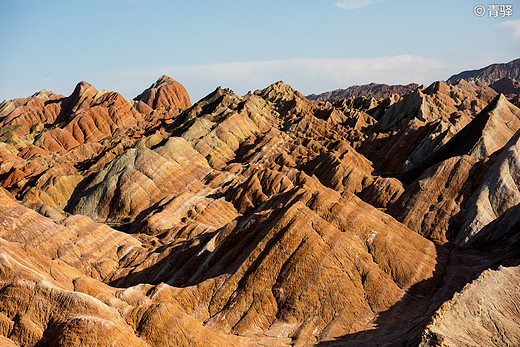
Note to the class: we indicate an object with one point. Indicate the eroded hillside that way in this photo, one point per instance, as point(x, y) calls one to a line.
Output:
point(264, 219)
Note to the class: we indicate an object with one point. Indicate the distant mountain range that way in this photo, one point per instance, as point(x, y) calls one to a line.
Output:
point(491, 73)
point(508, 73)
point(375, 90)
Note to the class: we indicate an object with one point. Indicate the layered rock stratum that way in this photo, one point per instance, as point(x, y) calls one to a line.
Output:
point(266, 219)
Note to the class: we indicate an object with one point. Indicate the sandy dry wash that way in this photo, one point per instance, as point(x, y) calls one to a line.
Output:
point(266, 219)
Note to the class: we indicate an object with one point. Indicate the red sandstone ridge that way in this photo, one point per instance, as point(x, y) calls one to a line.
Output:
point(166, 92)
point(42, 107)
point(91, 115)
point(259, 220)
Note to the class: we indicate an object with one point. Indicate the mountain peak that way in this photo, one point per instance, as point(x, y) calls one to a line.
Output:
point(83, 92)
point(84, 88)
point(164, 79)
point(43, 94)
point(219, 91)
point(165, 92)
point(499, 101)
point(437, 86)
point(279, 91)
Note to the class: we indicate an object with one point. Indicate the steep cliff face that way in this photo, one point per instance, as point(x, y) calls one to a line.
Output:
point(498, 192)
point(263, 219)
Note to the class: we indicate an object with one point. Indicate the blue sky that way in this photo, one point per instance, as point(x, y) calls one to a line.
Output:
point(314, 45)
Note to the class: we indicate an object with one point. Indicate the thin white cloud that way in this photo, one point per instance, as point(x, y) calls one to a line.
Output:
point(514, 25)
point(306, 75)
point(354, 4)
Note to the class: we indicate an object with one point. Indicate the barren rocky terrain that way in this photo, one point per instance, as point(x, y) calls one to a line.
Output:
point(262, 220)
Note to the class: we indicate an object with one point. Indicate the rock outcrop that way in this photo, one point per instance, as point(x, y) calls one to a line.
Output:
point(498, 192)
point(484, 313)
